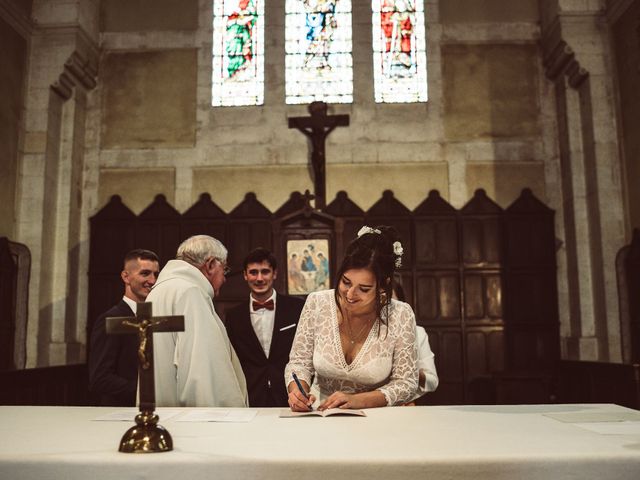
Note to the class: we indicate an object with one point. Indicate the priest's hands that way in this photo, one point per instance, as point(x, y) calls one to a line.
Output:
point(297, 401)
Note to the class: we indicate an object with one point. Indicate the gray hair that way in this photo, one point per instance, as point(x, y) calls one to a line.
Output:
point(197, 249)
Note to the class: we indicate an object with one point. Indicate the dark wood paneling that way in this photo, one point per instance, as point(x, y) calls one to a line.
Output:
point(205, 218)
point(595, 382)
point(531, 287)
point(481, 279)
point(60, 386)
point(158, 229)
point(113, 234)
point(632, 267)
point(8, 293)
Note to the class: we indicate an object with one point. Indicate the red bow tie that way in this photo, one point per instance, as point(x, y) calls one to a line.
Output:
point(268, 305)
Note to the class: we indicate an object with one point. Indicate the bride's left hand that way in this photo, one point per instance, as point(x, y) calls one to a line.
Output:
point(338, 400)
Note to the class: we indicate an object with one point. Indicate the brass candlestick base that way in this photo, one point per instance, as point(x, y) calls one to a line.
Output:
point(147, 436)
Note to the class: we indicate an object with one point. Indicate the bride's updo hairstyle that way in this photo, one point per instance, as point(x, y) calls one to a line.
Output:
point(379, 250)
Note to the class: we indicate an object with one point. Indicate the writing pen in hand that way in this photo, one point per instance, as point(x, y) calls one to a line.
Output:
point(299, 385)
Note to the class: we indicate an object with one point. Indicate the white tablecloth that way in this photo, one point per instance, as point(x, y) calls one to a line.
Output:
point(465, 442)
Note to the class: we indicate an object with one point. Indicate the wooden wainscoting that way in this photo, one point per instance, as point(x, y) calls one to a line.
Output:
point(596, 382)
point(60, 386)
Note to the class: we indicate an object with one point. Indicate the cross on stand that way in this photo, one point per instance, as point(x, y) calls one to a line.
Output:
point(146, 436)
point(317, 128)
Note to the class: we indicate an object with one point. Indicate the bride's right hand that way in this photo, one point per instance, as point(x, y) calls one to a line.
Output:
point(297, 401)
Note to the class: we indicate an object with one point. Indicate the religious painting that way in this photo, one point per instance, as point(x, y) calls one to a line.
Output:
point(307, 266)
point(318, 61)
point(238, 53)
point(399, 51)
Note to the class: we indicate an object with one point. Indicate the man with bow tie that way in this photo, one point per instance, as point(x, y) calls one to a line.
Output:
point(262, 330)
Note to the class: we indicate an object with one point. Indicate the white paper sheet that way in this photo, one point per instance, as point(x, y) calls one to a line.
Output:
point(612, 428)
point(595, 416)
point(218, 415)
point(129, 415)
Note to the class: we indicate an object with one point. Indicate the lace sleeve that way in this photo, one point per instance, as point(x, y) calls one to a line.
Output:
point(403, 382)
point(301, 355)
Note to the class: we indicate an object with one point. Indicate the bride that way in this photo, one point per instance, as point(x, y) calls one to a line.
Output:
point(356, 343)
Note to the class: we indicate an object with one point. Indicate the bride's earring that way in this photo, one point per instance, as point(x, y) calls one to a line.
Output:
point(383, 297)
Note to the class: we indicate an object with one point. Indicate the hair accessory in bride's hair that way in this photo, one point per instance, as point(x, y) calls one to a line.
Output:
point(398, 251)
point(366, 229)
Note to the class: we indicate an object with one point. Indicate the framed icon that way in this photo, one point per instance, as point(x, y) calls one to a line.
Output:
point(308, 266)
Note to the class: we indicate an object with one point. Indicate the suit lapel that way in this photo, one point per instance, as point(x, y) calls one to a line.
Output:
point(250, 333)
point(125, 309)
point(282, 320)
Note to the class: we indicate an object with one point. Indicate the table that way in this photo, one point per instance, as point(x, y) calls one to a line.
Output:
point(463, 442)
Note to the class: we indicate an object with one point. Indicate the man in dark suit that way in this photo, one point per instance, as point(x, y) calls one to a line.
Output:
point(261, 331)
point(113, 359)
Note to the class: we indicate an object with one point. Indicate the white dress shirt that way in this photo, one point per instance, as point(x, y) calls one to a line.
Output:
point(132, 304)
point(262, 321)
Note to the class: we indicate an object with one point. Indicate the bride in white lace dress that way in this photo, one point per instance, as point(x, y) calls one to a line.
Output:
point(356, 343)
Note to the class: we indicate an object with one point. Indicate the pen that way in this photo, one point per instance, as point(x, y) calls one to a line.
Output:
point(295, 379)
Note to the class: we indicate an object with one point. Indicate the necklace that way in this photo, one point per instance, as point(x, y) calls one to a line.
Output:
point(355, 338)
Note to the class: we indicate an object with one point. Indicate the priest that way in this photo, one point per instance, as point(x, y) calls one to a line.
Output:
point(197, 367)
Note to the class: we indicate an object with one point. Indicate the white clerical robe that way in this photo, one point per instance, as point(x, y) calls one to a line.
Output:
point(197, 367)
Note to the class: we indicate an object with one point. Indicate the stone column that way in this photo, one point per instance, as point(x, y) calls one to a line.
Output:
point(577, 59)
point(63, 66)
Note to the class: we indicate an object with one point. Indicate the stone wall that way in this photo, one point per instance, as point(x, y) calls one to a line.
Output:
point(626, 43)
point(488, 135)
point(506, 110)
point(13, 58)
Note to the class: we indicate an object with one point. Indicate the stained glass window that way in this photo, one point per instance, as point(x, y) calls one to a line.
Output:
point(238, 53)
point(318, 58)
point(399, 51)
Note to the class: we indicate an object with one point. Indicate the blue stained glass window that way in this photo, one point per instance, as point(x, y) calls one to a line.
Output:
point(318, 60)
point(238, 53)
point(399, 51)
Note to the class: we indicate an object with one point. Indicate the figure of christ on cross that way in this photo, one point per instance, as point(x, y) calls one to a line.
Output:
point(146, 436)
point(317, 128)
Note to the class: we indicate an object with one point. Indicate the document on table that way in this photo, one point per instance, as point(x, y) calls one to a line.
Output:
point(286, 413)
point(611, 428)
point(602, 422)
point(130, 415)
point(592, 417)
point(241, 415)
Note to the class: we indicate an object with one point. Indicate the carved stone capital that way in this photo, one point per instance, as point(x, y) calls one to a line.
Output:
point(80, 69)
point(559, 58)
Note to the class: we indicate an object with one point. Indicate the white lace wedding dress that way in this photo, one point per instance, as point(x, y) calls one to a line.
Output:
point(386, 362)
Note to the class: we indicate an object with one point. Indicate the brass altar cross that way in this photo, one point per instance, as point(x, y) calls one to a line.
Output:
point(146, 436)
point(317, 128)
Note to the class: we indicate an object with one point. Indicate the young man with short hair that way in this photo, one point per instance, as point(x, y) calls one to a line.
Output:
point(113, 360)
point(261, 331)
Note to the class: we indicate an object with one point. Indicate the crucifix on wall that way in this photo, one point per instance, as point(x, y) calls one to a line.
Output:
point(317, 128)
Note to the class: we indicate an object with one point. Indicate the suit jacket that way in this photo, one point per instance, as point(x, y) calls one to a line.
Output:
point(265, 376)
point(113, 361)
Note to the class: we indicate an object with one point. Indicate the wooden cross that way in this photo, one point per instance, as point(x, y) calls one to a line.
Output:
point(317, 128)
point(145, 325)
